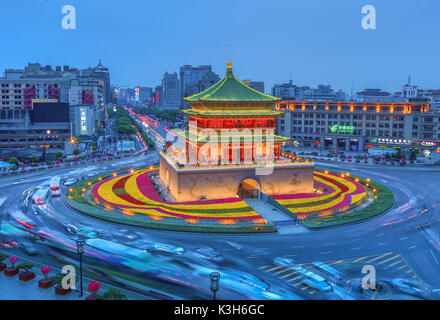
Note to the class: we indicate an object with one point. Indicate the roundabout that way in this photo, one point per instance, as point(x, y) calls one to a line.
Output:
point(135, 197)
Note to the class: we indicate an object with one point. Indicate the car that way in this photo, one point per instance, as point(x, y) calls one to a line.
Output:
point(209, 253)
point(284, 262)
point(410, 287)
point(254, 281)
point(166, 248)
point(313, 280)
point(28, 248)
point(69, 181)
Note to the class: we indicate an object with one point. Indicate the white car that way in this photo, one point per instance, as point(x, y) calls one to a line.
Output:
point(166, 248)
point(284, 262)
point(69, 181)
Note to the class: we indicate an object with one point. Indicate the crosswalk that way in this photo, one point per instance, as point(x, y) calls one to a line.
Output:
point(394, 263)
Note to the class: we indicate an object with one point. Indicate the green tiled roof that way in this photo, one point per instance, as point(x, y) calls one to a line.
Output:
point(230, 89)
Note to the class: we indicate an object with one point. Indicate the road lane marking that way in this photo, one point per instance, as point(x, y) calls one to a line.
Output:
point(275, 268)
point(304, 288)
point(264, 267)
point(377, 258)
point(287, 275)
point(282, 271)
point(336, 262)
point(412, 247)
point(357, 260)
point(434, 257)
point(389, 259)
point(394, 263)
point(404, 238)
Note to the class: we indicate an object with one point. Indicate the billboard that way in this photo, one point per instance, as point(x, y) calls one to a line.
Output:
point(49, 112)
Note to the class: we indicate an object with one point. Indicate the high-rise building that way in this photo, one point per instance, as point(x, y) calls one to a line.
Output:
point(170, 91)
point(289, 91)
point(256, 85)
point(189, 78)
point(102, 73)
point(143, 95)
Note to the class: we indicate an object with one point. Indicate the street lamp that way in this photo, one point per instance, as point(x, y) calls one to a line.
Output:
point(80, 251)
point(215, 279)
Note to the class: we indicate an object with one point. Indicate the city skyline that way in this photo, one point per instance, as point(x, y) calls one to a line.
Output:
point(381, 58)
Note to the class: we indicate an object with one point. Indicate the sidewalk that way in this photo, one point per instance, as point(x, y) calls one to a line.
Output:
point(14, 289)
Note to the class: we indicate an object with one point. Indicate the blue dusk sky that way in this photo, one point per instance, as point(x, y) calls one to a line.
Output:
point(266, 40)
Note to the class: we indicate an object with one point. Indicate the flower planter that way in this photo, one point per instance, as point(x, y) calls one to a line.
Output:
point(2, 266)
point(10, 272)
point(94, 297)
point(60, 291)
point(45, 283)
point(26, 276)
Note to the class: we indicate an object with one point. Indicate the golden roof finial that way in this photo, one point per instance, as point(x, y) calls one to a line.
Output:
point(229, 69)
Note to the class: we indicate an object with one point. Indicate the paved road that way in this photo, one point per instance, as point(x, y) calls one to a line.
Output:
point(400, 243)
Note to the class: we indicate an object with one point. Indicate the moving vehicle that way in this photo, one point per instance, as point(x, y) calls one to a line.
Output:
point(410, 287)
point(284, 262)
point(328, 272)
point(313, 280)
point(209, 253)
point(166, 248)
point(69, 182)
point(40, 196)
point(54, 185)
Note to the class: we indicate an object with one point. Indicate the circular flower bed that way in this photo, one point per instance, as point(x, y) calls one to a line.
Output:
point(134, 193)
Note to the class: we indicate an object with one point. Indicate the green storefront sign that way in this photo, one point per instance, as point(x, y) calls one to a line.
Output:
point(336, 128)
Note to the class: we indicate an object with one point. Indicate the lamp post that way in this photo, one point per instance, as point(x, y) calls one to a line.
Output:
point(215, 279)
point(80, 251)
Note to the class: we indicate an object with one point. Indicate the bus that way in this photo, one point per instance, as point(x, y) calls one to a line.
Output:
point(54, 185)
point(328, 272)
point(313, 280)
point(40, 196)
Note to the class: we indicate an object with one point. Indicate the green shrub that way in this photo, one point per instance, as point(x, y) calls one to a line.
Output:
point(3, 256)
point(26, 266)
point(114, 294)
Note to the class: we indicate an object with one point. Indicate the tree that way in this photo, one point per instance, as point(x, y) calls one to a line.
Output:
point(76, 152)
point(114, 294)
point(59, 155)
point(13, 160)
point(34, 158)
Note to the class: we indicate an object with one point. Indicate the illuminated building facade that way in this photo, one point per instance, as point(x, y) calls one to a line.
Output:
point(231, 135)
point(356, 126)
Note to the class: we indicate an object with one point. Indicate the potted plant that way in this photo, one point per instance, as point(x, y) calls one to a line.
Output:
point(46, 282)
point(114, 294)
point(26, 274)
point(58, 288)
point(2, 265)
point(94, 288)
point(12, 270)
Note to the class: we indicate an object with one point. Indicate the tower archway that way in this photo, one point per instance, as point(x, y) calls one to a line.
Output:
point(249, 188)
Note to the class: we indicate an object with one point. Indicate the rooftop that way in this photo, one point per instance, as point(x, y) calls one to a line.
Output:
point(230, 89)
